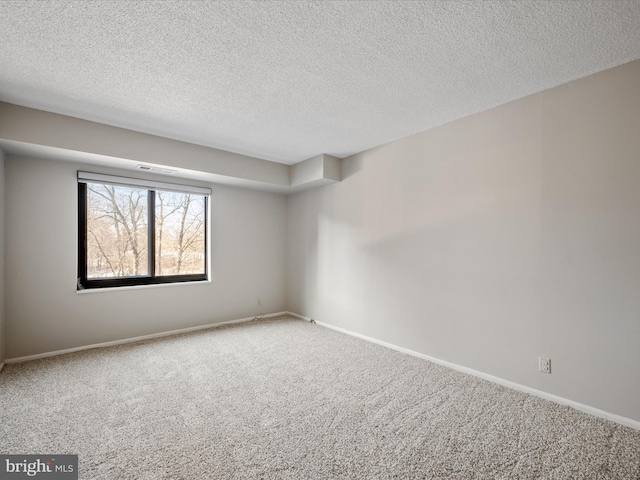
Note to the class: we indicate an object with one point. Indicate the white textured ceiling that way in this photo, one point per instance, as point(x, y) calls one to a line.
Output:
point(288, 80)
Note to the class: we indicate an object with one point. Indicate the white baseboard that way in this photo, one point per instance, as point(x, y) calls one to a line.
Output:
point(136, 339)
point(627, 422)
point(307, 319)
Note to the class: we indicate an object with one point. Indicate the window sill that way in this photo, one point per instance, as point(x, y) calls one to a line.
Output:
point(138, 287)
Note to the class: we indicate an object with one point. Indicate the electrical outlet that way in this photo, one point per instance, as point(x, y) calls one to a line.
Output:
point(544, 365)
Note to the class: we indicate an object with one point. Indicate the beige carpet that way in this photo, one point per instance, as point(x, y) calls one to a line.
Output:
point(284, 398)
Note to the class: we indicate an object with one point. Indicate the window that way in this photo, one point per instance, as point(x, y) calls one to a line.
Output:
point(139, 232)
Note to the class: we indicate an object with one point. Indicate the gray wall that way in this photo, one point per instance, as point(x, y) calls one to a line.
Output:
point(2, 230)
point(43, 311)
point(493, 240)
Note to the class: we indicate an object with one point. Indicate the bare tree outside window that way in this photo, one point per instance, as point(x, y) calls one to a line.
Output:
point(180, 233)
point(134, 232)
point(117, 231)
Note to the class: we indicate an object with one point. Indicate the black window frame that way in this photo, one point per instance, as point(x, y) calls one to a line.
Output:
point(84, 283)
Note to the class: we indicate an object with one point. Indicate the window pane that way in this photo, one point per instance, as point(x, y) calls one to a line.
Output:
point(117, 231)
point(180, 233)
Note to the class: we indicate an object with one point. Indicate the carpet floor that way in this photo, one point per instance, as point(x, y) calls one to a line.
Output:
point(283, 398)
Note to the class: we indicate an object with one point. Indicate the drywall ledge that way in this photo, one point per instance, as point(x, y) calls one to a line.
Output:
point(30, 132)
point(124, 341)
point(320, 170)
point(627, 422)
point(27, 131)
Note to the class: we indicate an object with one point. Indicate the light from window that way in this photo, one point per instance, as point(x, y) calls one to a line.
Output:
point(117, 231)
point(180, 238)
point(137, 235)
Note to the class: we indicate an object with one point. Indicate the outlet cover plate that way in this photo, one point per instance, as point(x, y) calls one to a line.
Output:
point(544, 365)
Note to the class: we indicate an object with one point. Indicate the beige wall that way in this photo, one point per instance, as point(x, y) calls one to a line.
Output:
point(2, 230)
point(43, 311)
point(493, 240)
